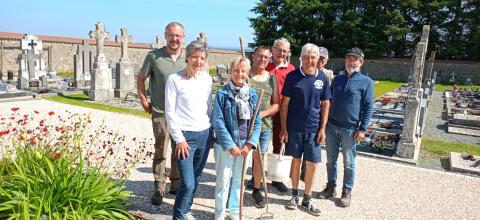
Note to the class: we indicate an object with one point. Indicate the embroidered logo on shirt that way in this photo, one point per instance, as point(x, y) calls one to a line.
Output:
point(318, 84)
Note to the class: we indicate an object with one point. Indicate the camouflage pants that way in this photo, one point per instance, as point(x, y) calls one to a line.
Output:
point(162, 140)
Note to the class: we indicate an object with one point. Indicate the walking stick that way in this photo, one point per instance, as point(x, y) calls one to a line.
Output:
point(267, 214)
point(244, 165)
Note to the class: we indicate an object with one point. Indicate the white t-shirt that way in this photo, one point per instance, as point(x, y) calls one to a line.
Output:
point(188, 104)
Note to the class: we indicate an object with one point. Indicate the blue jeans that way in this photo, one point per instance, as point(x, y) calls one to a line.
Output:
point(264, 140)
point(341, 137)
point(228, 181)
point(190, 170)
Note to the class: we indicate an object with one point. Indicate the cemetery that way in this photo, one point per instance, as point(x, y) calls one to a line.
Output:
point(100, 97)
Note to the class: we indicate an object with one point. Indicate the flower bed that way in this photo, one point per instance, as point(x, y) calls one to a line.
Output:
point(54, 167)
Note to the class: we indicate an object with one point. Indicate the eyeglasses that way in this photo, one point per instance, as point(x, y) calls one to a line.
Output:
point(169, 35)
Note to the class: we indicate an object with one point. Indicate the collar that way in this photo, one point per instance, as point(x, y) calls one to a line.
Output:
point(301, 71)
point(283, 65)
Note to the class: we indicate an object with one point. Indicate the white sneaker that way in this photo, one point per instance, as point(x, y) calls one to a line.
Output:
point(189, 216)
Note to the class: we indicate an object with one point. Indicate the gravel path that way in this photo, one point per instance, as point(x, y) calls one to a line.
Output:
point(383, 190)
point(436, 125)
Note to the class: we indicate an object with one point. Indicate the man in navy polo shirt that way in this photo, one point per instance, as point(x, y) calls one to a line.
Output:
point(304, 114)
point(350, 113)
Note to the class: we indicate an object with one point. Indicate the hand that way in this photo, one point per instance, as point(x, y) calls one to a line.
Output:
point(182, 150)
point(246, 149)
point(235, 151)
point(359, 135)
point(283, 136)
point(321, 136)
point(146, 106)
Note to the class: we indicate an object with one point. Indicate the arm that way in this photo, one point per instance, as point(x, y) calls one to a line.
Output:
point(209, 101)
point(367, 110)
point(218, 120)
point(170, 111)
point(274, 101)
point(323, 120)
point(283, 119)
point(141, 92)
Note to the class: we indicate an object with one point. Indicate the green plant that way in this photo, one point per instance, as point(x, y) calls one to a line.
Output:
point(60, 169)
point(66, 74)
point(443, 148)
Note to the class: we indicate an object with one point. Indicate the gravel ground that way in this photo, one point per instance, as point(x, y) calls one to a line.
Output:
point(436, 124)
point(383, 190)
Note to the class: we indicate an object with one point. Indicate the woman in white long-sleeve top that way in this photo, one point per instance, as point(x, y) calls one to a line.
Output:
point(188, 107)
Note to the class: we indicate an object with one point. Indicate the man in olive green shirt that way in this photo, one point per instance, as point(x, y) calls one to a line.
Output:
point(158, 65)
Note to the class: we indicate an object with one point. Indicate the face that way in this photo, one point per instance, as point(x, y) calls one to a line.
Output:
point(309, 62)
point(239, 74)
point(353, 63)
point(196, 60)
point(280, 53)
point(175, 36)
point(321, 62)
point(260, 58)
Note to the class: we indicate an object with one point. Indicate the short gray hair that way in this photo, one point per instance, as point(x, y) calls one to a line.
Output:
point(281, 40)
point(174, 23)
point(195, 46)
point(308, 47)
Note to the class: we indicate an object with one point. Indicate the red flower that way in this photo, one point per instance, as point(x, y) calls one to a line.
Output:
point(36, 112)
point(2, 133)
point(15, 109)
point(51, 113)
point(57, 154)
point(42, 123)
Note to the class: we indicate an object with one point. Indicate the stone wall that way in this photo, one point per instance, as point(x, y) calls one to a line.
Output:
point(399, 69)
point(63, 55)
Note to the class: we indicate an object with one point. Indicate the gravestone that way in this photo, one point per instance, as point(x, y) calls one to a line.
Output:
point(51, 68)
point(124, 78)
point(101, 85)
point(409, 144)
point(158, 42)
point(10, 77)
point(452, 77)
point(31, 63)
point(82, 63)
point(1, 61)
point(425, 101)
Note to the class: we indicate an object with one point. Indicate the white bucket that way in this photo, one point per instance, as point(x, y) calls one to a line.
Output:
point(278, 166)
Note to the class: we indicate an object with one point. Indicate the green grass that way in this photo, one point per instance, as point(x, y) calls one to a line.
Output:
point(443, 148)
point(83, 101)
point(443, 87)
point(383, 87)
point(212, 71)
point(65, 75)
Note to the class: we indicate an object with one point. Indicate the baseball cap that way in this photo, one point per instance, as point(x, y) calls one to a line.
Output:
point(356, 52)
point(323, 52)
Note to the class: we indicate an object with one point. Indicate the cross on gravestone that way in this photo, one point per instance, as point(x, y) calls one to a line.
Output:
point(452, 77)
point(32, 44)
point(100, 36)
point(159, 43)
point(124, 39)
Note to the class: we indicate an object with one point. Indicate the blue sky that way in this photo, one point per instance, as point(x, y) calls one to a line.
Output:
point(223, 21)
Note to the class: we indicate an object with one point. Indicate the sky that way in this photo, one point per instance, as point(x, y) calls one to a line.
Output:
point(222, 21)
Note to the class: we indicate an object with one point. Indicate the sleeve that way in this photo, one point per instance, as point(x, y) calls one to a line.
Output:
point(255, 137)
point(326, 95)
point(367, 106)
point(170, 110)
point(209, 100)
point(147, 66)
point(218, 120)
point(287, 86)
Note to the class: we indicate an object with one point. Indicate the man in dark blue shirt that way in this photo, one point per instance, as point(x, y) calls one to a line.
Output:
point(350, 112)
point(304, 114)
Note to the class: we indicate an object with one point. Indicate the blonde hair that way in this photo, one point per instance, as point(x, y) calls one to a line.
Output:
point(237, 61)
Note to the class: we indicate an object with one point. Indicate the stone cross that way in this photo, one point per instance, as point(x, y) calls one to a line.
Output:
point(31, 57)
point(159, 43)
point(202, 39)
point(452, 77)
point(124, 39)
point(32, 44)
point(50, 59)
point(99, 35)
point(85, 52)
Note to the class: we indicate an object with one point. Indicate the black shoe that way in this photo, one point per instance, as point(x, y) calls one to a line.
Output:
point(280, 186)
point(157, 198)
point(327, 193)
point(173, 191)
point(258, 199)
point(250, 184)
point(310, 207)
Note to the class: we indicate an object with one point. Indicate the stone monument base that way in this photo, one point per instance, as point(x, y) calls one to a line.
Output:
point(101, 94)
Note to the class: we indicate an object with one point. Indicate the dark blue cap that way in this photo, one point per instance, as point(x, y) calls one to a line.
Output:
point(356, 52)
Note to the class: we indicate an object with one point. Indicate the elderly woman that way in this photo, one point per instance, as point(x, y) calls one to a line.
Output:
point(188, 107)
point(232, 117)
